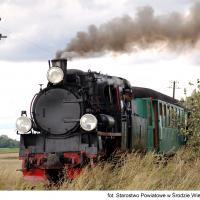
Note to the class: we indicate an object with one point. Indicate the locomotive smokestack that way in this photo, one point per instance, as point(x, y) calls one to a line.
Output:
point(175, 31)
point(62, 63)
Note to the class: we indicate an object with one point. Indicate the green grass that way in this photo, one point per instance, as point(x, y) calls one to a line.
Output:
point(9, 150)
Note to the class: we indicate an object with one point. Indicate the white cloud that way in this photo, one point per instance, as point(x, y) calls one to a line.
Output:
point(44, 26)
point(36, 29)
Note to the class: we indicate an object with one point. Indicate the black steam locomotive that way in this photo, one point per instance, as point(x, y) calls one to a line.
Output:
point(81, 116)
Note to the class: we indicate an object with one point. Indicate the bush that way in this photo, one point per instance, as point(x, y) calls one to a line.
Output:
point(192, 104)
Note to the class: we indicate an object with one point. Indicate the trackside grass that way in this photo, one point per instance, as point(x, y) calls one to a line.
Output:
point(142, 173)
point(133, 172)
point(10, 178)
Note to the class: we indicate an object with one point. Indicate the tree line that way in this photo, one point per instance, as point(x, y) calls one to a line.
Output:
point(6, 142)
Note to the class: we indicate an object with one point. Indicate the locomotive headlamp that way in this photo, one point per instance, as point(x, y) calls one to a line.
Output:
point(23, 124)
point(55, 75)
point(88, 122)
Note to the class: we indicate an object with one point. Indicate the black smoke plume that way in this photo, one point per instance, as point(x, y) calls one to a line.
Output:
point(125, 34)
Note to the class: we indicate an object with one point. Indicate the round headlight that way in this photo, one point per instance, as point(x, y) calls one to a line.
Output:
point(23, 124)
point(55, 75)
point(88, 122)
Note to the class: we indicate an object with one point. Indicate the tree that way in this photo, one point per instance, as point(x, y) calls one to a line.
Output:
point(192, 103)
point(6, 142)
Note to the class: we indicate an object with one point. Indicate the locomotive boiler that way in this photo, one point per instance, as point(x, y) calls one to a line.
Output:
point(81, 116)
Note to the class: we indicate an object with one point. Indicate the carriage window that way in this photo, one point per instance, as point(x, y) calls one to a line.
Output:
point(150, 114)
point(161, 112)
point(165, 116)
point(176, 117)
point(182, 117)
point(168, 116)
point(179, 115)
point(172, 117)
point(160, 108)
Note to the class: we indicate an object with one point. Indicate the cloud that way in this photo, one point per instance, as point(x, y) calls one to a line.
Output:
point(36, 29)
point(160, 7)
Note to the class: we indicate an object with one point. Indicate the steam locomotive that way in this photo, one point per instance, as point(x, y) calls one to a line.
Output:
point(81, 116)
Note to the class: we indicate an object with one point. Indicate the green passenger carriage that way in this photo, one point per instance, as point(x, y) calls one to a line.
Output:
point(157, 120)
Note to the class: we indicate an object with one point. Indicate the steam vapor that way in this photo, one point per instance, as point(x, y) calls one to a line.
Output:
point(125, 34)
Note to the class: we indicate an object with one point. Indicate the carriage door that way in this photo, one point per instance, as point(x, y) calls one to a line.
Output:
point(150, 122)
point(155, 130)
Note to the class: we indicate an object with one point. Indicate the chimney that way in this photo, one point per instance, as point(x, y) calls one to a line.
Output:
point(62, 63)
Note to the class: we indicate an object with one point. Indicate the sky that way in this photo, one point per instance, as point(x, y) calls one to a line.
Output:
point(37, 29)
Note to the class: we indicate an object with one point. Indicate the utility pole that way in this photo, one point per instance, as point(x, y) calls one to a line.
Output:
point(174, 86)
point(185, 92)
point(2, 36)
